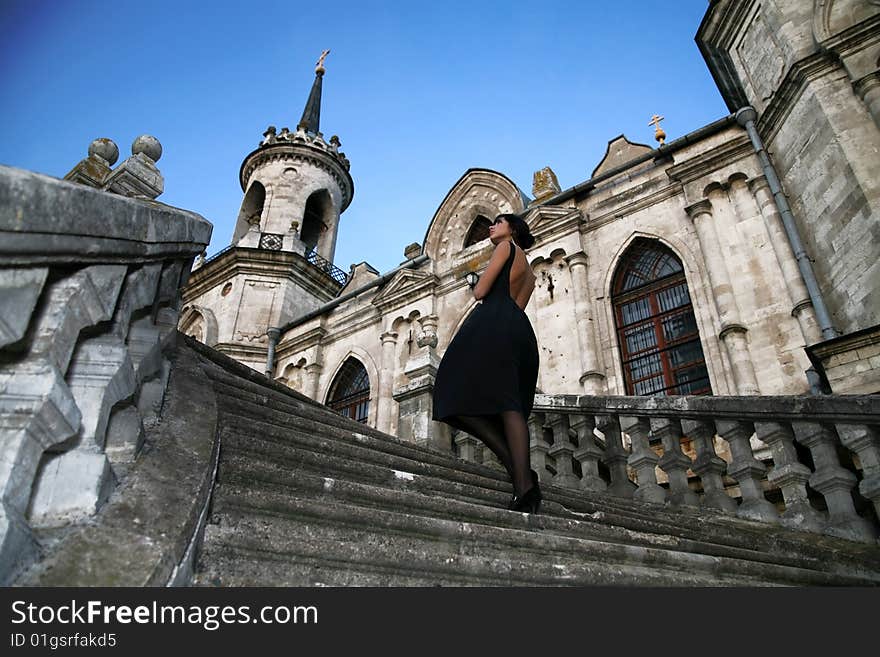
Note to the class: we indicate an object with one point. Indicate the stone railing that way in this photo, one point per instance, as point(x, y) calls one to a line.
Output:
point(810, 463)
point(89, 293)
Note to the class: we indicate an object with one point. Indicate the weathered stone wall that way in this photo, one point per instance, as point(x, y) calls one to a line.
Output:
point(812, 71)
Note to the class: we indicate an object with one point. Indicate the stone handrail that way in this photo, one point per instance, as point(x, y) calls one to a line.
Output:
point(739, 451)
point(89, 297)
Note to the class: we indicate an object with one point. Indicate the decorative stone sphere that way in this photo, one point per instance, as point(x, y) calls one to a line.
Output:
point(147, 145)
point(105, 148)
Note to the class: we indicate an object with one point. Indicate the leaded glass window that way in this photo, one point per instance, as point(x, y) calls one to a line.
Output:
point(657, 331)
point(350, 392)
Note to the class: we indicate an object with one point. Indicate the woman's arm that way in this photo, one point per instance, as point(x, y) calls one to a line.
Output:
point(496, 264)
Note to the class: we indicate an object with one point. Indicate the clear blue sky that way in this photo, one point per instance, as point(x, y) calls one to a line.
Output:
point(418, 93)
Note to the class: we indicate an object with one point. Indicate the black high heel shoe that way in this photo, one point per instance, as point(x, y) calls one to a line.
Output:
point(530, 501)
point(534, 484)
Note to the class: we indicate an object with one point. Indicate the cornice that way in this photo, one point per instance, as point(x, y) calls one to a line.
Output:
point(285, 265)
point(299, 152)
point(693, 168)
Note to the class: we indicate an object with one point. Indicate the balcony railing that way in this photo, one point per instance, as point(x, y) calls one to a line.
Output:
point(327, 267)
point(810, 463)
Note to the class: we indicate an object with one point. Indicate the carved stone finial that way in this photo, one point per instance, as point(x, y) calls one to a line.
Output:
point(659, 135)
point(412, 250)
point(106, 149)
point(95, 169)
point(138, 176)
point(319, 67)
point(268, 136)
point(148, 145)
point(544, 184)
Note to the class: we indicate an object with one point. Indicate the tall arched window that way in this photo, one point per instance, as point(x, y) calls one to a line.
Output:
point(656, 327)
point(350, 392)
point(316, 218)
point(479, 231)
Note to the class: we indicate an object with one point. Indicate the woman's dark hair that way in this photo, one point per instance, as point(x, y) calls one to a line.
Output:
point(520, 229)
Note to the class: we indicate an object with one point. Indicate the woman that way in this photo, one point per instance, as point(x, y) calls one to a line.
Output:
point(486, 381)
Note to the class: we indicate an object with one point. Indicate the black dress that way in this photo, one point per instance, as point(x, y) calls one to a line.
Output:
point(491, 365)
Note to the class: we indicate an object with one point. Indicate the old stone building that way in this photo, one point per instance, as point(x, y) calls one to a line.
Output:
point(729, 261)
point(733, 269)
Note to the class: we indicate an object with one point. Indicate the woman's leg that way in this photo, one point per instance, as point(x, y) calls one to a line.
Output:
point(490, 432)
point(517, 433)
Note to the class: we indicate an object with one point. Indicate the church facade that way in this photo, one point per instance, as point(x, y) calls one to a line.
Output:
point(739, 259)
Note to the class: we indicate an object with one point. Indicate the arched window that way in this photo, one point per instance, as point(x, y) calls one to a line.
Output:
point(316, 218)
point(656, 328)
point(479, 231)
point(350, 392)
point(251, 209)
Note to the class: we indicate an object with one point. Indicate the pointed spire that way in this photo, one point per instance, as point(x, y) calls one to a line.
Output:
point(311, 117)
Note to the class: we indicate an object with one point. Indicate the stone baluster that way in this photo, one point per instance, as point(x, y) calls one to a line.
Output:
point(709, 466)
point(591, 377)
point(386, 382)
point(865, 441)
point(834, 482)
point(733, 333)
point(747, 471)
point(467, 446)
point(643, 460)
point(615, 457)
point(562, 451)
point(674, 462)
point(798, 297)
point(588, 452)
point(791, 476)
point(538, 446)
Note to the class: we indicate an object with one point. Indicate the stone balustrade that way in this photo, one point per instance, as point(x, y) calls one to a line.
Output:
point(90, 281)
point(810, 463)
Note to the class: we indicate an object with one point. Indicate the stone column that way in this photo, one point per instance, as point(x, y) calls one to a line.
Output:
point(591, 376)
point(643, 459)
point(868, 89)
point(801, 306)
point(709, 466)
point(386, 381)
point(313, 375)
point(747, 471)
point(791, 476)
point(615, 457)
point(733, 333)
point(834, 482)
point(674, 462)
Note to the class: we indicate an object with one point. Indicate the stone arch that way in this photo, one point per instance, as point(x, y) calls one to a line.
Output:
point(372, 369)
point(659, 341)
point(478, 191)
point(252, 206)
point(697, 282)
point(318, 218)
point(199, 323)
point(478, 231)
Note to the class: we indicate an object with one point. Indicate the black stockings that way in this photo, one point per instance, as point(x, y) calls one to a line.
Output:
point(508, 439)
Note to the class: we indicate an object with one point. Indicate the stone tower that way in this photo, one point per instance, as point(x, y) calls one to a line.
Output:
point(296, 186)
point(279, 265)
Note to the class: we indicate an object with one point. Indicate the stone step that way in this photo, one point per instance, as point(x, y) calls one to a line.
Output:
point(279, 529)
point(305, 451)
point(281, 450)
point(269, 487)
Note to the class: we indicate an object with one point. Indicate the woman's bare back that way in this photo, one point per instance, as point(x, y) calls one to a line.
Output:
point(522, 278)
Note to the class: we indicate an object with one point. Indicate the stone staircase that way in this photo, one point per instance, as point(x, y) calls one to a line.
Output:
point(306, 497)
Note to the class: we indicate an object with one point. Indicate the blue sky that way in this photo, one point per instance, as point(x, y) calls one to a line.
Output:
point(417, 92)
